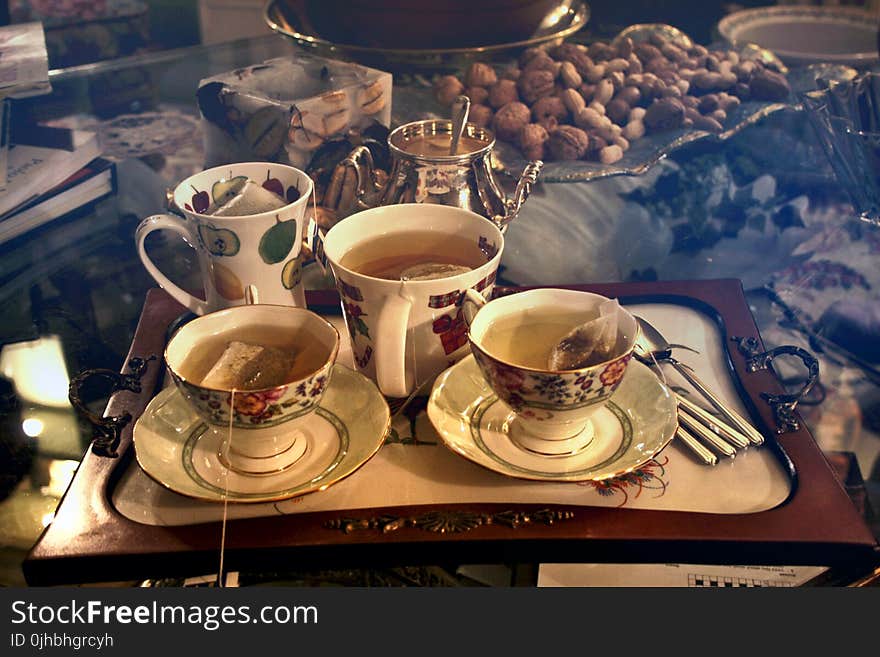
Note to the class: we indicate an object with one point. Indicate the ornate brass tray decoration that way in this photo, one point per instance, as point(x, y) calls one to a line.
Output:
point(450, 522)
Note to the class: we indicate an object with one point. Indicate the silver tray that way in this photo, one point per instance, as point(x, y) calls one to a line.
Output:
point(282, 17)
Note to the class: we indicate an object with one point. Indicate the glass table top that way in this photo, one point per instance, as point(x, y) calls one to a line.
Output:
point(763, 208)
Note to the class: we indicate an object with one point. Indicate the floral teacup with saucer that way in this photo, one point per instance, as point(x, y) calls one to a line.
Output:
point(552, 407)
point(259, 422)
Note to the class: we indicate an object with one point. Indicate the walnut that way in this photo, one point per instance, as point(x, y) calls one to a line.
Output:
point(568, 143)
point(549, 106)
point(480, 75)
point(447, 88)
point(529, 54)
point(511, 73)
point(543, 63)
point(478, 95)
point(502, 92)
point(510, 119)
point(532, 140)
point(535, 84)
point(481, 115)
point(618, 111)
point(549, 123)
point(664, 114)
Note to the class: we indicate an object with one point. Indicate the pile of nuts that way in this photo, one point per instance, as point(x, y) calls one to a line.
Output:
point(573, 102)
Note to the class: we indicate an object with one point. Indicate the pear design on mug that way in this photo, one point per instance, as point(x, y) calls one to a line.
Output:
point(227, 283)
point(277, 242)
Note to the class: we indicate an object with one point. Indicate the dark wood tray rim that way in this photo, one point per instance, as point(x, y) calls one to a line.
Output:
point(90, 541)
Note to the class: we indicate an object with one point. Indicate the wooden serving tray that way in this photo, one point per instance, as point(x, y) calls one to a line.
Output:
point(91, 541)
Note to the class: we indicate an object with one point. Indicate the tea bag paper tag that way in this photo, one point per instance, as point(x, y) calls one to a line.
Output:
point(314, 240)
point(591, 342)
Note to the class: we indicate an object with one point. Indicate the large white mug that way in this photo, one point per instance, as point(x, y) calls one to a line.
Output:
point(262, 250)
point(405, 332)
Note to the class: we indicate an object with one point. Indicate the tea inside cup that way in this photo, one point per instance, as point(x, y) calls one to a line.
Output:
point(513, 339)
point(401, 271)
point(254, 374)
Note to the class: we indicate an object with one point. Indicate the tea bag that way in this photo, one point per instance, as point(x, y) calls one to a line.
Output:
point(244, 198)
point(590, 343)
point(245, 366)
point(431, 270)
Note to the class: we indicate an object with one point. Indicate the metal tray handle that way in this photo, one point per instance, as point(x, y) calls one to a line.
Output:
point(783, 405)
point(106, 431)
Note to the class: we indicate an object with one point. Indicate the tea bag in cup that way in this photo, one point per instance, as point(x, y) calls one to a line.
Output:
point(429, 271)
point(590, 343)
point(241, 197)
point(246, 222)
point(245, 366)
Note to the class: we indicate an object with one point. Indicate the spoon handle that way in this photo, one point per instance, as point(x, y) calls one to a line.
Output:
point(732, 416)
point(721, 428)
point(703, 453)
point(461, 107)
point(715, 441)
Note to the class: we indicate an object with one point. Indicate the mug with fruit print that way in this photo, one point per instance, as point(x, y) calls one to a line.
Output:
point(247, 223)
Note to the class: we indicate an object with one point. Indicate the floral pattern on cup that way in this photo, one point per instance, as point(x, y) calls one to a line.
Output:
point(352, 298)
point(527, 391)
point(257, 409)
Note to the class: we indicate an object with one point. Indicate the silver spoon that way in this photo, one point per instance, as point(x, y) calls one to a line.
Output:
point(461, 107)
point(652, 344)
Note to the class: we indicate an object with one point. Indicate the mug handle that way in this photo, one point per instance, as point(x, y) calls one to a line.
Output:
point(471, 304)
point(390, 356)
point(167, 222)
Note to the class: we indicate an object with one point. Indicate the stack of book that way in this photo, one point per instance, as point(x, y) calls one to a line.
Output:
point(46, 172)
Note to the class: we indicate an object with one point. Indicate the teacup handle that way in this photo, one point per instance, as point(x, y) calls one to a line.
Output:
point(470, 304)
point(390, 341)
point(172, 223)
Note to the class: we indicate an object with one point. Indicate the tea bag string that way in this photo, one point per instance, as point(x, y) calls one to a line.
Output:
point(658, 369)
point(227, 447)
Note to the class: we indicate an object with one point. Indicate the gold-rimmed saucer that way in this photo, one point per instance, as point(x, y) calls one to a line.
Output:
point(637, 422)
point(176, 449)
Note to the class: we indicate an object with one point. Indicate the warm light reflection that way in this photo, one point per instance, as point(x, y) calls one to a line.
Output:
point(60, 475)
point(32, 427)
point(38, 370)
point(555, 16)
point(47, 519)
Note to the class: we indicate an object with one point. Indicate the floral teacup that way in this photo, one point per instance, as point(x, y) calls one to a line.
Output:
point(552, 407)
point(264, 426)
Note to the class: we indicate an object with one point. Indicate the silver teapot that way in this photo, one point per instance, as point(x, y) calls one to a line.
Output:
point(423, 171)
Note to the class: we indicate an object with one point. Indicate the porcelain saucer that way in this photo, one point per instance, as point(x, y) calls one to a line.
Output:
point(174, 447)
point(636, 423)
